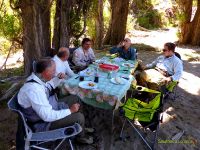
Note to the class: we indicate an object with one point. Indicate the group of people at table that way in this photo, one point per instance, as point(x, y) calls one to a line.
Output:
point(44, 111)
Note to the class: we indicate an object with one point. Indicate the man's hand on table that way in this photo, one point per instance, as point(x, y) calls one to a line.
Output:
point(74, 108)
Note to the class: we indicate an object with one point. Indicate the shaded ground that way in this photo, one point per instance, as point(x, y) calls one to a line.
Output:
point(179, 115)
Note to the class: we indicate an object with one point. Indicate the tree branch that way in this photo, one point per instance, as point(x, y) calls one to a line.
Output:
point(4, 64)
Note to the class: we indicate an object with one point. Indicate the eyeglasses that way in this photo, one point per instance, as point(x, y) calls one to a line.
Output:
point(164, 50)
point(125, 41)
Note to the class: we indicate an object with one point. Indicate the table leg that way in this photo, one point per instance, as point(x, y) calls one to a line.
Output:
point(113, 117)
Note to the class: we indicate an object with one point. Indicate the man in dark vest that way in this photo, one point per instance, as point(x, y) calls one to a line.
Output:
point(40, 106)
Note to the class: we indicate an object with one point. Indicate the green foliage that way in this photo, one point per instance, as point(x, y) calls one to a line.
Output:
point(150, 20)
point(4, 46)
point(9, 26)
point(12, 71)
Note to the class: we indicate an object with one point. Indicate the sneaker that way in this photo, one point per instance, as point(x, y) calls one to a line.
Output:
point(89, 130)
point(85, 140)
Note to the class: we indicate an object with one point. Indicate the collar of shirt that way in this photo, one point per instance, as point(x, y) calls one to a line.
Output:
point(36, 78)
point(171, 57)
point(56, 58)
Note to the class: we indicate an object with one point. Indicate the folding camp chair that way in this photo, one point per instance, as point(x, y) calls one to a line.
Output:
point(170, 91)
point(147, 112)
point(36, 140)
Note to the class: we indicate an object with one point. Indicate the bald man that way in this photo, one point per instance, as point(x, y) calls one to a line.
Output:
point(62, 64)
point(125, 50)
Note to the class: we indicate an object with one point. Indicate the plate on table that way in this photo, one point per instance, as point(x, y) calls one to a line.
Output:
point(129, 65)
point(88, 85)
point(118, 80)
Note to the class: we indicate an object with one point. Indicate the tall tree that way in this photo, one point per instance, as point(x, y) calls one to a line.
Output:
point(36, 29)
point(190, 29)
point(61, 33)
point(99, 24)
point(117, 28)
point(69, 17)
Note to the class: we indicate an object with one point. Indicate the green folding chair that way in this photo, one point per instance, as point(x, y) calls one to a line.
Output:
point(145, 107)
point(170, 91)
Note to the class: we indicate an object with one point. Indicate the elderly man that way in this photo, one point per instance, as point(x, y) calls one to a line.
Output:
point(61, 60)
point(163, 70)
point(84, 55)
point(125, 50)
point(39, 104)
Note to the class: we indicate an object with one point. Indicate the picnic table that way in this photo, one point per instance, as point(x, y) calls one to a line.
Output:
point(107, 95)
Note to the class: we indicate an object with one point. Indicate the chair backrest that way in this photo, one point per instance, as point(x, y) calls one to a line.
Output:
point(177, 55)
point(71, 50)
point(15, 107)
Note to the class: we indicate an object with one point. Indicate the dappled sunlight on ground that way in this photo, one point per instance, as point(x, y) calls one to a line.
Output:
point(166, 116)
point(190, 83)
point(154, 38)
point(14, 61)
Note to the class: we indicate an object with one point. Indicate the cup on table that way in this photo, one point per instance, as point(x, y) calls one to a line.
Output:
point(81, 78)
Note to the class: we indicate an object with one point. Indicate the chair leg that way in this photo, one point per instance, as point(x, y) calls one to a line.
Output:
point(60, 143)
point(71, 146)
point(145, 141)
point(113, 117)
point(122, 130)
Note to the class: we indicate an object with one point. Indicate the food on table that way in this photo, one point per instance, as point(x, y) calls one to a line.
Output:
point(91, 84)
point(109, 67)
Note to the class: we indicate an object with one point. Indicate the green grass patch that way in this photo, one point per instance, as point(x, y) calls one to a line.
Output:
point(141, 46)
point(6, 73)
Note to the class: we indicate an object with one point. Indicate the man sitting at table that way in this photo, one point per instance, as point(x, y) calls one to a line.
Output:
point(125, 50)
point(84, 55)
point(40, 106)
point(163, 70)
point(61, 60)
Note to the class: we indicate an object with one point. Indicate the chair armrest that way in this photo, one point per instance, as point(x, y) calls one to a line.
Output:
point(56, 134)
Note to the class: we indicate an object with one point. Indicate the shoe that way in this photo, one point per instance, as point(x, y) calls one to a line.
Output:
point(89, 130)
point(85, 140)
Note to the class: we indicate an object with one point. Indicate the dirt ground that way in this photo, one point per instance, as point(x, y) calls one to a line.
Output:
point(179, 115)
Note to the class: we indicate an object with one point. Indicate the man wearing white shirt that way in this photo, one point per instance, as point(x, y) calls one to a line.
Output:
point(39, 105)
point(165, 69)
point(61, 60)
point(84, 55)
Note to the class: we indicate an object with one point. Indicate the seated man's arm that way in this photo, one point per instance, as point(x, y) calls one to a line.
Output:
point(77, 59)
point(114, 50)
point(153, 64)
point(55, 82)
point(178, 70)
point(69, 72)
point(41, 106)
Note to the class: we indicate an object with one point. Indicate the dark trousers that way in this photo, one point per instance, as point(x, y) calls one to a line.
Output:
point(71, 119)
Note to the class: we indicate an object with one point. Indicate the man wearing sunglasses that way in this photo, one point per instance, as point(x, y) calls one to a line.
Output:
point(125, 50)
point(166, 68)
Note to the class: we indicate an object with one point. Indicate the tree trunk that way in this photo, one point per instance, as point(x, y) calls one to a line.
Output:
point(190, 30)
point(117, 28)
point(36, 31)
point(61, 34)
point(99, 24)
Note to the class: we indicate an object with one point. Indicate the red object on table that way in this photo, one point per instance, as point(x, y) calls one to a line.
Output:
point(109, 67)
